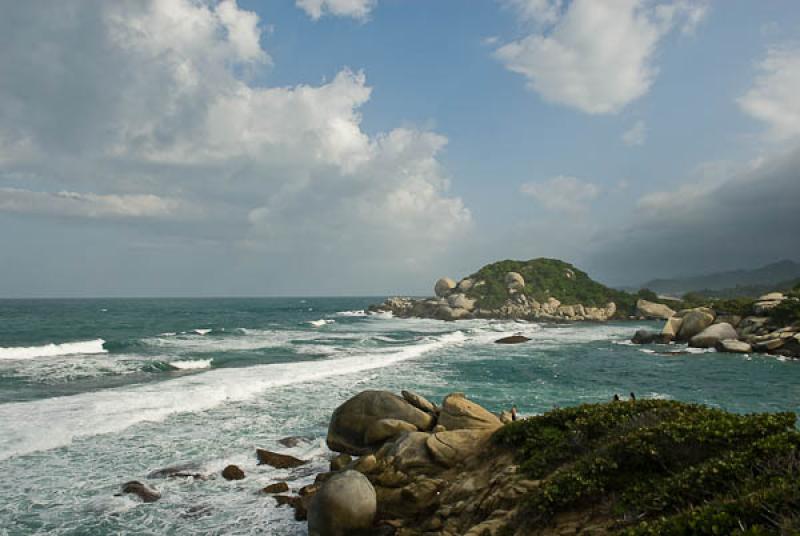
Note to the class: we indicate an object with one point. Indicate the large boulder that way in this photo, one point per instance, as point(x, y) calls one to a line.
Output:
point(709, 337)
point(277, 460)
point(418, 401)
point(695, 321)
point(767, 302)
point(514, 282)
point(444, 287)
point(384, 429)
point(645, 336)
point(458, 413)
point(671, 327)
point(410, 452)
point(512, 339)
point(350, 422)
point(346, 504)
point(465, 284)
point(650, 309)
point(460, 301)
point(454, 446)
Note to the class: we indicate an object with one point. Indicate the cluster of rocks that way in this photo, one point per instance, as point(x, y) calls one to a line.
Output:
point(409, 467)
point(453, 302)
point(703, 327)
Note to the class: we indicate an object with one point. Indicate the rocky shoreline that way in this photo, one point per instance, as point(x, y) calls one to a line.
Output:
point(706, 327)
point(456, 301)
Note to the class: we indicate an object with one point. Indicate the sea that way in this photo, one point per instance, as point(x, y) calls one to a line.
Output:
point(98, 392)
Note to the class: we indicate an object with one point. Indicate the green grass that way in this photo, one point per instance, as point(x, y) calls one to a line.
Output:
point(661, 467)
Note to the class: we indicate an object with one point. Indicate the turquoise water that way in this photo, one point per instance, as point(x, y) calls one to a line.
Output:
point(94, 393)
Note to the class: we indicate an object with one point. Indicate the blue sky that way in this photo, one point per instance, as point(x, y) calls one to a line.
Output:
point(182, 147)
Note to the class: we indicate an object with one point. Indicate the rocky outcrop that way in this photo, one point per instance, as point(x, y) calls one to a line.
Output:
point(277, 460)
point(349, 426)
point(648, 309)
point(767, 302)
point(345, 504)
point(733, 346)
point(277, 487)
point(419, 402)
point(709, 337)
point(646, 336)
point(514, 282)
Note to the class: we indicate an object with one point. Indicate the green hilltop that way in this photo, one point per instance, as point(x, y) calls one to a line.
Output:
point(545, 278)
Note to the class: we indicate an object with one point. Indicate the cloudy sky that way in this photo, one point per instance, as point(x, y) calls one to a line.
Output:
point(318, 147)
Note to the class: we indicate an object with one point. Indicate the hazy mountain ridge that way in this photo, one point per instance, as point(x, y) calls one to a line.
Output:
point(769, 277)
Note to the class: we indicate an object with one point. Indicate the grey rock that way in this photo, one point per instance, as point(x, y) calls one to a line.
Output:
point(709, 337)
point(650, 309)
point(733, 346)
point(444, 287)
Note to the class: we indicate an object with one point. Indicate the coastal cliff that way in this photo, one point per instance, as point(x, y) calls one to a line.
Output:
point(538, 289)
point(647, 467)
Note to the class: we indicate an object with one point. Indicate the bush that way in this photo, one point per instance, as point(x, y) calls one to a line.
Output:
point(660, 467)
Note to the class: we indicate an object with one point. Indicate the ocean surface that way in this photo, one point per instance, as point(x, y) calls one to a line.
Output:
point(95, 393)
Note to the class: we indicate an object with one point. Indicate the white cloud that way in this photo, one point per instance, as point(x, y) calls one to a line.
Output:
point(562, 194)
point(540, 11)
point(636, 135)
point(95, 206)
point(149, 104)
point(357, 9)
point(595, 56)
point(775, 95)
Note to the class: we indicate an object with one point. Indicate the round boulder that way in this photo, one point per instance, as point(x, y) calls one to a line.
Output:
point(444, 287)
point(695, 321)
point(733, 346)
point(347, 431)
point(233, 472)
point(709, 337)
point(346, 504)
point(458, 413)
point(514, 281)
point(650, 309)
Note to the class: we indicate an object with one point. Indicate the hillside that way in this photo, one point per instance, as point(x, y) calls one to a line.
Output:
point(770, 276)
point(544, 278)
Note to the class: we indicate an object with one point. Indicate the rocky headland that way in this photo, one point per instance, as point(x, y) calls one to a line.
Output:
point(409, 467)
point(539, 289)
point(769, 324)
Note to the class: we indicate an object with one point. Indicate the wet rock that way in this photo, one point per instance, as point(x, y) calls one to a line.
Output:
point(278, 461)
point(346, 504)
point(512, 339)
point(733, 346)
point(297, 503)
point(143, 491)
point(185, 470)
point(277, 487)
point(233, 472)
point(293, 441)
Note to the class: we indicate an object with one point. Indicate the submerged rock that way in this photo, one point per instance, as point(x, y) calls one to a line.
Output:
point(645, 336)
point(278, 461)
point(293, 441)
point(512, 339)
point(346, 503)
point(143, 491)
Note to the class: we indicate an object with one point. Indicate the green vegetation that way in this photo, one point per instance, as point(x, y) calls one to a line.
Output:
point(731, 306)
point(750, 291)
point(545, 278)
point(656, 467)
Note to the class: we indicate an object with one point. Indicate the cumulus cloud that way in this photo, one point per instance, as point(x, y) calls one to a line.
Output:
point(562, 194)
point(595, 56)
point(635, 135)
point(775, 96)
point(143, 106)
point(357, 9)
point(729, 215)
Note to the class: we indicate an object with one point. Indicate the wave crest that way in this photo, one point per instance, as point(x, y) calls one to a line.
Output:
point(94, 346)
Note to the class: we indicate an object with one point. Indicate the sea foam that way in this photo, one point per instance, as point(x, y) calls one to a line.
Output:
point(52, 350)
point(113, 410)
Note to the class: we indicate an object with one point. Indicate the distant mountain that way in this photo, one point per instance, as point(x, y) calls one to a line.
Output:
point(771, 275)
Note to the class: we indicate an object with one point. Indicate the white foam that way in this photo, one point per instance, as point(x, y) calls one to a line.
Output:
point(113, 410)
point(202, 331)
point(51, 350)
point(321, 322)
point(357, 313)
point(191, 365)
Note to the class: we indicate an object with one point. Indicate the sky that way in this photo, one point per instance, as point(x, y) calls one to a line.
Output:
point(369, 147)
